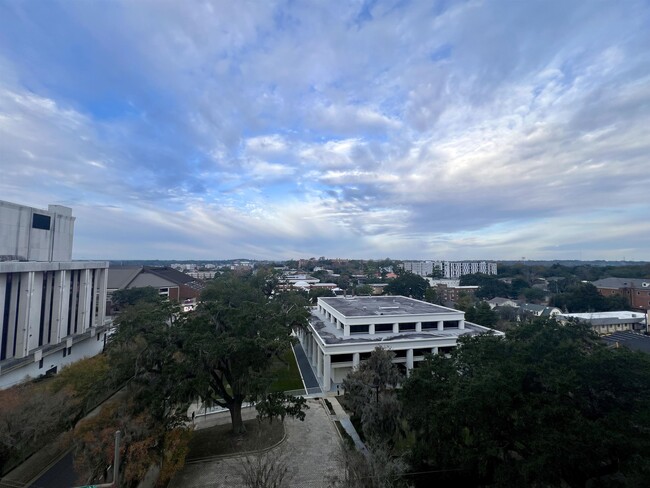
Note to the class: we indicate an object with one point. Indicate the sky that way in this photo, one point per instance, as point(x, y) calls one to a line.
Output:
point(354, 129)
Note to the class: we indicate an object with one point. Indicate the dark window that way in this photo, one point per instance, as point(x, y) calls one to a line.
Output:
point(400, 353)
point(70, 350)
point(40, 221)
point(384, 328)
point(341, 358)
point(405, 327)
point(429, 325)
point(65, 351)
point(40, 364)
point(358, 329)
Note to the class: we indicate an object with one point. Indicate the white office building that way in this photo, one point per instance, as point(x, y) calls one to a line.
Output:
point(52, 309)
point(344, 331)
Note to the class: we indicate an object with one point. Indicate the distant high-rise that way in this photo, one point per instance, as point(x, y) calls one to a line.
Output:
point(450, 269)
point(52, 309)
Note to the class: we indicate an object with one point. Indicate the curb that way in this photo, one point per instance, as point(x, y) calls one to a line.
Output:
point(239, 454)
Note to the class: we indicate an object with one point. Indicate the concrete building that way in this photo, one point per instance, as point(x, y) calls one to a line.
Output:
point(450, 269)
point(636, 290)
point(52, 309)
point(605, 323)
point(344, 331)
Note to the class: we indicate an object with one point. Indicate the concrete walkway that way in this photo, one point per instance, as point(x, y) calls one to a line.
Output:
point(306, 371)
point(311, 451)
point(346, 423)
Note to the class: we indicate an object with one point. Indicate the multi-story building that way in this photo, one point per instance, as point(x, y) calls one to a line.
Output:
point(52, 309)
point(450, 269)
point(636, 290)
point(344, 331)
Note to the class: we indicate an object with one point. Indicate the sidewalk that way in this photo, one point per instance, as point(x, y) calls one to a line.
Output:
point(346, 423)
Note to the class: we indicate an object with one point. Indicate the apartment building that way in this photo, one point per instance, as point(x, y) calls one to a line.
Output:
point(450, 269)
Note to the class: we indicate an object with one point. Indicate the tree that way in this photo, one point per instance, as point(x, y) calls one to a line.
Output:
point(489, 286)
point(131, 296)
point(482, 314)
point(363, 290)
point(366, 394)
point(409, 285)
point(271, 469)
point(314, 293)
point(229, 343)
point(547, 405)
point(434, 295)
point(582, 297)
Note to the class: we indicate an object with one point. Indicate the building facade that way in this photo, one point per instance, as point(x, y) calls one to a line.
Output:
point(52, 309)
point(343, 331)
point(450, 269)
point(637, 291)
point(605, 323)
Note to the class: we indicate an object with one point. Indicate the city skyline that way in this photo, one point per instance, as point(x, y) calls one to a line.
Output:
point(273, 130)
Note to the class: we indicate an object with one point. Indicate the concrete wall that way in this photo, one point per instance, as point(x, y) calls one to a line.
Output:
point(21, 237)
point(83, 349)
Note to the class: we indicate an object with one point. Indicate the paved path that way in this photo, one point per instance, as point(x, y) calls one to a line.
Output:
point(311, 449)
point(346, 423)
point(308, 376)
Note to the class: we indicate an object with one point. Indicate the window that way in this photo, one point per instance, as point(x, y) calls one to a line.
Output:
point(70, 350)
point(40, 221)
point(65, 352)
point(40, 364)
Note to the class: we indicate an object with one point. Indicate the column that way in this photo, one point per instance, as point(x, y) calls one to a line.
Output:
point(3, 292)
point(13, 311)
point(441, 325)
point(83, 315)
point(327, 371)
point(371, 329)
point(461, 324)
point(434, 350)
point(314, 352)
point(24, 305)
point(396, 328)
point(356, 360)
point(33, 324)
point(48, 317)
point(418, 327)
point(346, 331)
point(60, 305)
point(319, 365)
point(409, 361)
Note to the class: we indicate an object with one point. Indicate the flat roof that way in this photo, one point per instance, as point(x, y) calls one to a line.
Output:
point(623, 314)
point(331, 335)
point(383, 305)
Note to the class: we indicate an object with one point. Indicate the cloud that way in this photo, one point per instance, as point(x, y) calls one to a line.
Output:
point(279, 129)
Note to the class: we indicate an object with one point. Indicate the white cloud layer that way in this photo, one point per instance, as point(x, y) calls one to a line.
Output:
point(280, 129)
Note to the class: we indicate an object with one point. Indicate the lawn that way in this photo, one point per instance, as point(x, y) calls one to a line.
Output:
point(219, 441)
point(287, 376)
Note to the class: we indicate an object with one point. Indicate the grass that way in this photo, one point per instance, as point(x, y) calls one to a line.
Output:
point(287, 376)
point(219, 440)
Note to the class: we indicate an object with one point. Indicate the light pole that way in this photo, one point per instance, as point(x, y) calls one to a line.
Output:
point(116, 467)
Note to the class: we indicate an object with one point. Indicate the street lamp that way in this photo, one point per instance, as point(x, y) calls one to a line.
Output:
point(116, 467)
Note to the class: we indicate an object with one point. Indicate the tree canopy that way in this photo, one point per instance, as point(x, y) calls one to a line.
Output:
point(409, 285)
point(547, 405)
point(584, 297)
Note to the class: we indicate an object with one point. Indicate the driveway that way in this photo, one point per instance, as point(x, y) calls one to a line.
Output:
point(311, 450)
